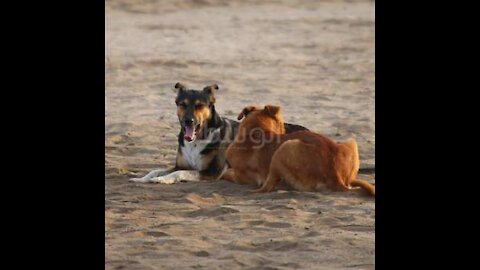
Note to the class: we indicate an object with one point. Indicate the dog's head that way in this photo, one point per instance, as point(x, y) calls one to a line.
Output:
point(194, 108)
point(269, 119)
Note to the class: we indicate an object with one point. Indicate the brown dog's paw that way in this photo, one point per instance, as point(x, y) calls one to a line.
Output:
point(259, 190)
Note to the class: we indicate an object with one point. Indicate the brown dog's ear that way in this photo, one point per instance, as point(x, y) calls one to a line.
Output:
point(180, 87)
point(245, 112)
point(210, 90)
point(272, 110)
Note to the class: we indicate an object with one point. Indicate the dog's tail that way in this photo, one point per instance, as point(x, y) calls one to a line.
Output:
point(365, 185)
point(367, 169)
point(352, 144)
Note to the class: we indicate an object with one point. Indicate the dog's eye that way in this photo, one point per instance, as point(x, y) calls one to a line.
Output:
point(182, 105)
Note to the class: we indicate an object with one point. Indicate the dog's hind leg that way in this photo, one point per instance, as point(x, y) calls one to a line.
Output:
point(152, 174)
point(177, 176)
point(280, 166)
point(272, 180)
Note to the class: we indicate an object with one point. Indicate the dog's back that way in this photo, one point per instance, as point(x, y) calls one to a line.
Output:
point(305, 160)
point(289, 128)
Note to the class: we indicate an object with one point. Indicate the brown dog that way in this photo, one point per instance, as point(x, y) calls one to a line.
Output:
point(263, 154)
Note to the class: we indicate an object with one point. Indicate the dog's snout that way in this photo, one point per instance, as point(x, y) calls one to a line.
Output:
point(188, 122)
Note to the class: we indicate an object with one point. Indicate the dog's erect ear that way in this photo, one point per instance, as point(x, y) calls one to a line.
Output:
point(272, 110)
point(245, 112)
point(210, 90)
point(180, 87)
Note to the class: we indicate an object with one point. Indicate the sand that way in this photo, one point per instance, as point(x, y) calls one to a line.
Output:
point(316, 59)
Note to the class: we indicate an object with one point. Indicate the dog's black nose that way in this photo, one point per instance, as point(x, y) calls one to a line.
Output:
point(189, 122)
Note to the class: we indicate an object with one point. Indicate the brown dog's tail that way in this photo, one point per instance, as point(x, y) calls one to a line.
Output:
point(365, 185)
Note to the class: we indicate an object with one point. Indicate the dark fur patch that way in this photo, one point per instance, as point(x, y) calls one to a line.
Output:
point(180, 139)
point(214, 169)
point(193, 95)
point(210, 147)
point(289, 128)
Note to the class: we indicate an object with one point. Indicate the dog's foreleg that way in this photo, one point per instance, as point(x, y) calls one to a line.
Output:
point(225, 169)
point(177, 176)
point(152, 174)
point(229, 175)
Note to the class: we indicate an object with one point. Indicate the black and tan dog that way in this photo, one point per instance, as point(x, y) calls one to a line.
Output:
point(203, 139)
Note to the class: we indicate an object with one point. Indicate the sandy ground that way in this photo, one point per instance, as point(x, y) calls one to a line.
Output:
point(314, 58)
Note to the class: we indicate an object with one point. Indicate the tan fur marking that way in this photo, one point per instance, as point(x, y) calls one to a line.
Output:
point(180, 112)
point(202, 115)
point(181, 163)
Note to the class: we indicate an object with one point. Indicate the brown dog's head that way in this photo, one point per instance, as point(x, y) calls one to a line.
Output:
point(194, 108)
point(269, 119)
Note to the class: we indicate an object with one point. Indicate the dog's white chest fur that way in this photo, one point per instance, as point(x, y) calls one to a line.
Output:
point(191, 151)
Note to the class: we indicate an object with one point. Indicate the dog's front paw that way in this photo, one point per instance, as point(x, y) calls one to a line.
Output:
point(164, 180)
point(258, 190)
point(138, 180)
point(262, 189)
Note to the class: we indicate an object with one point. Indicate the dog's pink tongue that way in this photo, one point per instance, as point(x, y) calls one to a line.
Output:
point(189, 133)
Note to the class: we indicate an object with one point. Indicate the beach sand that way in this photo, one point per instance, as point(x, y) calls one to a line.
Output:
point(316, 59)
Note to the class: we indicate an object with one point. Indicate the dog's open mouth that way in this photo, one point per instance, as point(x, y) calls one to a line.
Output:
point(191, 132)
